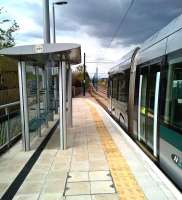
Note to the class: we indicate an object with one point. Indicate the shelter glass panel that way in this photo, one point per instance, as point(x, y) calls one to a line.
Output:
point(31, 99)
point(36, 100)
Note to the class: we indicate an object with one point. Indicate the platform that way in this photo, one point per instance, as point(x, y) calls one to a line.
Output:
point(13, 161)
point(100, 163)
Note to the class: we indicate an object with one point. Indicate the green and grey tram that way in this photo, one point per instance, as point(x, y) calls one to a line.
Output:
point(145, 90)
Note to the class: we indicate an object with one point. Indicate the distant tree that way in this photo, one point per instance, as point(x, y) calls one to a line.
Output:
point(6, 34)
point(78, 76)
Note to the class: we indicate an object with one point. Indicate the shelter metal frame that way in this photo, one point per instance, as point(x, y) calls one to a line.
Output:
point(64, 54)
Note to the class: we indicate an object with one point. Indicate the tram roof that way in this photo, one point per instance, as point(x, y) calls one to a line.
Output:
point(174, 26)
point(146, 47)
point(123, 63)
point(60, 51)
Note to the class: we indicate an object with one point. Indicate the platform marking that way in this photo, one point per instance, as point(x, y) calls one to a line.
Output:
point(125, 182)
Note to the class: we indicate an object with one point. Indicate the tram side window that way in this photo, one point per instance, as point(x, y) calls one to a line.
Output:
point(120, 87)
point(123, 87)
point(173, 99)
point(114, 88)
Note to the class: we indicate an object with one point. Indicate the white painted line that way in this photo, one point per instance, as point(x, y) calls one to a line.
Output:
point(171, 187)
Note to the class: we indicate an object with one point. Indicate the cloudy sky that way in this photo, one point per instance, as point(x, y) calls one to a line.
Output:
point(93, 23)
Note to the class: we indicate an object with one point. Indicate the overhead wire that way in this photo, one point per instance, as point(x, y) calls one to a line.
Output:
point(123, 18)
point(120, 23)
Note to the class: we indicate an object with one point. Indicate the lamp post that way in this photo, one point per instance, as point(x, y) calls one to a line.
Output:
point(46, 21)
point(53, 17)
point(84, 76)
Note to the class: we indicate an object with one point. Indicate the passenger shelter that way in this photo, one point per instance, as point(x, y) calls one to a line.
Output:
point(37, 65)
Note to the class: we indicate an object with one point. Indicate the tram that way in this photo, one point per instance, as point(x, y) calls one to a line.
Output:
point(145, 93)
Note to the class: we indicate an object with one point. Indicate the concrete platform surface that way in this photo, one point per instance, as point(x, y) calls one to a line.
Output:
point(12, 161)
point(100, 163)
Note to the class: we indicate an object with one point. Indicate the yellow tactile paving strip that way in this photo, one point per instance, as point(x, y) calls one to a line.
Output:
point(125, 182)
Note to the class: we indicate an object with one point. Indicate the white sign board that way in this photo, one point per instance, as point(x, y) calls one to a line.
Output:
point(39, 48)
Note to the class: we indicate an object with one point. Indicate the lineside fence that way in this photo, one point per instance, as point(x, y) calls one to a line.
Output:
point(10, 125)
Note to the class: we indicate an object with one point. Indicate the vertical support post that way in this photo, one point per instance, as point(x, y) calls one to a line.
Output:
point(84, 78)
point(47, 39)
point(7, 127)
point(55, 94)
point(97, 77)
point(46, 95)
point(53, 23)
point(24, 105)
point(62, 105)
point(47, 89)
point(38, 98)
point(70, 121)
point(46, 21)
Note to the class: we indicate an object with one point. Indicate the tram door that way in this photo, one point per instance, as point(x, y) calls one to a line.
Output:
point(148, 106)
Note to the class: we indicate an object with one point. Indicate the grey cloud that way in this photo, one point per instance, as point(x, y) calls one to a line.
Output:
point(100, 18)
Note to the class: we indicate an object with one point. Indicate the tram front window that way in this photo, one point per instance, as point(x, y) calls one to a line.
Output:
point(173, 100)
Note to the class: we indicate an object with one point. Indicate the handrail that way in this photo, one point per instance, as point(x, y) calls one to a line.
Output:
point(6, 133)
point(9, 104)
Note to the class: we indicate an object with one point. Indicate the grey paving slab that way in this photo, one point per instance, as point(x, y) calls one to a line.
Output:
point(38, 176)
point(56, 175)
point(78, 176)
point(51, 196)
point(53, 186)
point(80, 197)
point(100, 187)
point(77, 188)
point(99, 176)
point(26, 197)
point(105, 197)
point(30, 187)
point(80, 166)
point(96, 165)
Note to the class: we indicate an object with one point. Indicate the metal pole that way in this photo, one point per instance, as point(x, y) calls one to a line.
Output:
point(25, 99)
point(47, 40)
point(54, 41)
point(24, 105)
point(71, 102)
point(21, 105)
point(70, 97)
point(97, 77)
point(62, 105)
point(84, 81)
point(53, 23)
point(46, 21)
point(38, 98)
point(46, 110)
point(55, 94)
